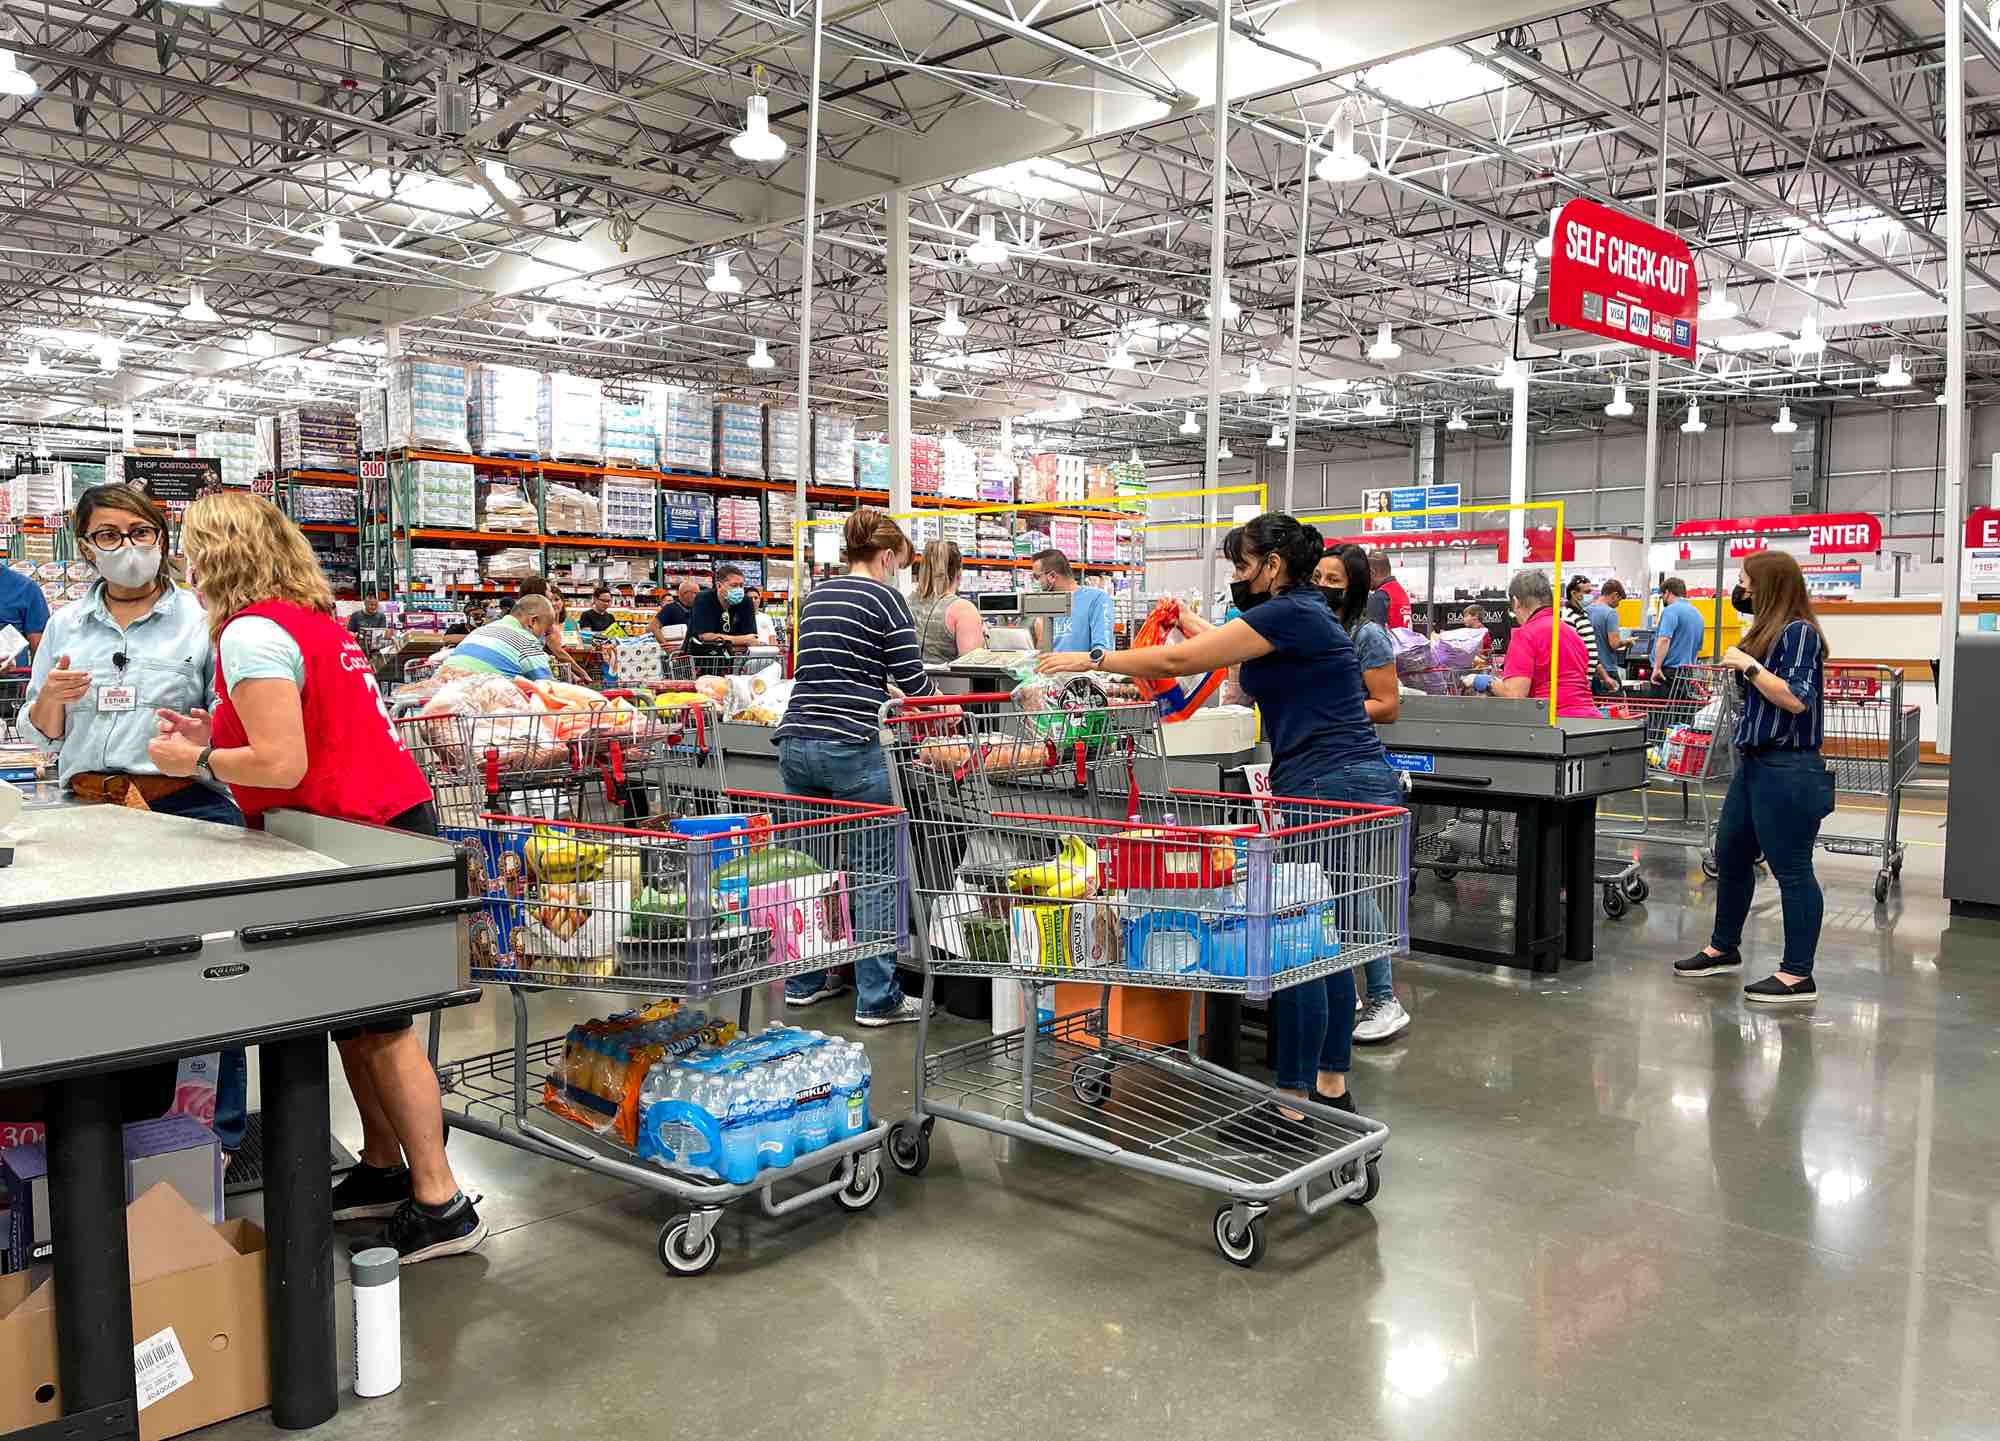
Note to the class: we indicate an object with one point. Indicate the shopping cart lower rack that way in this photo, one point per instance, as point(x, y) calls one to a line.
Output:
point(1075, 872)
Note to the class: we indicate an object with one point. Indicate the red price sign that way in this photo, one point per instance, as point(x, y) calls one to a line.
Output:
point(1623, 279)
point(1982, 528)
point(1841, 532)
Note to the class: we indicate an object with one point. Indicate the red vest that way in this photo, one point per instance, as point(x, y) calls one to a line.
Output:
point(357, 767)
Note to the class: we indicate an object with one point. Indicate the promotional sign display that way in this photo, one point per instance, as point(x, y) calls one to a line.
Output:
point(1982, 528)
point(171, 478)
point(1846, 532)
point(1618, 277)
point(1396, 509)
point(1541, 542)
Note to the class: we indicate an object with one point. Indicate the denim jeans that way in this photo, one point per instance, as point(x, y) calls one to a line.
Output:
point(232, 1076)
point(1315, 1021)
point(852, 771)
point(1773, 810)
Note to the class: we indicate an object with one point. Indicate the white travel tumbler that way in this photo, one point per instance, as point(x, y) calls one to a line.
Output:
point(378, 1320)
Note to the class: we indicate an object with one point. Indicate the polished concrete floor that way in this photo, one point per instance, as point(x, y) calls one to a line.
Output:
point(1613, 1205)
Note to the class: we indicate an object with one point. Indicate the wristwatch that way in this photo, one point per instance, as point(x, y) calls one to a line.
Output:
point(1096, 656)
point(201, 765)
point(1753, 671)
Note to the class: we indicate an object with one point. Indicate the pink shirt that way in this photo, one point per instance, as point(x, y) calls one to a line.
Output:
point(1528, 655)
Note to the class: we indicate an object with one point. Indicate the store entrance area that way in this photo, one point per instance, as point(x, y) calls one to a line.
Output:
point(1614, 1204)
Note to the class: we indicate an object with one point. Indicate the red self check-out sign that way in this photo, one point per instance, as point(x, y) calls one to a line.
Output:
point(1618, 277)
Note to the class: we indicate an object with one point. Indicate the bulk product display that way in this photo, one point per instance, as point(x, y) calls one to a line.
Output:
point(318, 439)
point(442, 566)
point(374, 421)
point(780, 510)
point(1046, 848)
point(504, 408)
point(630, 508)
point(322, 504)
point(739, 438)
point(739, 519)
point(33, 495)
point(998, 475)
point(687, 431)
point(871, 464)
point(687, 515)
point(833, 449)
point(569, 511)
point(958, 470)
point(265, 429)
point(569, 411)
point(508, 506)
point(440, 493)
point(926, 465)
point(781, 454)
point(632, 428)
point(236, 449)
point(613, 857)
point(426, 405)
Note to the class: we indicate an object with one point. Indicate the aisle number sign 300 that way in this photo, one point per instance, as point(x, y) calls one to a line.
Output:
point(1623, 279)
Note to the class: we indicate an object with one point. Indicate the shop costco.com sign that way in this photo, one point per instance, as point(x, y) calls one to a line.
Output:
point(1623, 279)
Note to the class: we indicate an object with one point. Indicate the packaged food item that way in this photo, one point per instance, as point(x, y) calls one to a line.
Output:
point(1071, 874)
point(1060, 939)
point(598, 1079)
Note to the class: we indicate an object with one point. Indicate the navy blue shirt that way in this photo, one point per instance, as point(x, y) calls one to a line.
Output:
point(1309, 689)
point(709, 616)
point(1799, 660)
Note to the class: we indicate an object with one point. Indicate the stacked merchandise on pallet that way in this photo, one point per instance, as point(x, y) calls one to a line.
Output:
point(1098, 484)
point(996, 475)
point(926, 465)
point(569, 511)
point(739, 438)
point(323, 504)
point(1128, 477)
point(823, 541)
point(440, 566)
point(1037, 483)
point(1032, 538)
point(374, 420)
point(509, 507)
point(319, 439)
point(236, 452)
point(687, 515)
point(504, 410)
point(871, 464)
point(1130, 544)
point(958, 471)
point(1100, 542)
point(440, 492)
point(40, 494)
point(781, 456)
point(1066, 535)
point(1069, 479)
point(265, 429)
point(687, 431)
point(427, 402)
point(338, 561)
point(833, 449)
point(632, 428)
point(923, 529)
point(739, 520)
point(514, 563)
point(630, 509)
point(569, 418)
point(780, 509)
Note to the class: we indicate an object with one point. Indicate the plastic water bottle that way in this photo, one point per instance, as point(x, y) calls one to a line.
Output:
point(775, 1108)
point(814, 1119)
point(851, 1091)
point(739, 1130)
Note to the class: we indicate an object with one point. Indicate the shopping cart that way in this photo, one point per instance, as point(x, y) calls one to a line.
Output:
point(1042, 856)
point(685, 668)
point(1872, 744)
point(1690, 745)
point(13, 695)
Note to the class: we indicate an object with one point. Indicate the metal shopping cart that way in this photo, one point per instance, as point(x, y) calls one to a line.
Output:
point(683, 667)
point(1045, 851)
point(13, 695)
point(1690, 745)
point(1872, 744)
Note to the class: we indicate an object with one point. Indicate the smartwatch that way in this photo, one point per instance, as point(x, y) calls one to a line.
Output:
point(201, 765)
point(1096, 656)
point(1754, 671)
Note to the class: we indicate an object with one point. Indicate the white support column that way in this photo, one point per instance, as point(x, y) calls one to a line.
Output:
point(1956, 440)
point(1517, 473)
point(899, 350)
point(806, 295)
point(1298, 325)
point(1650, 514)
point(1217, 233)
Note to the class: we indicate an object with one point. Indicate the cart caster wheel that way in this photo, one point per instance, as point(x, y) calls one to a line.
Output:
point(1090, 1080)
point(1240, 1248)
point(1881, 887)
point(1708, 866)
point(910, 1147)
point(859, 1193)
point(1371, 1182)
point(1446, 873)
point(1614, 902)
point(1636, 890)
point(677, 1258)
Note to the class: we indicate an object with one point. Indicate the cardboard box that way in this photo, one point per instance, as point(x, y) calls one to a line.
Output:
point(197, 1298)
point(175, 1149)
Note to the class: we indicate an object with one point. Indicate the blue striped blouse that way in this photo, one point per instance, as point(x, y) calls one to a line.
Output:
point(1799, 660)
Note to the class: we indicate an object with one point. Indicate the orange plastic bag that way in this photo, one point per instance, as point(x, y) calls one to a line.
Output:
point(1177, 697)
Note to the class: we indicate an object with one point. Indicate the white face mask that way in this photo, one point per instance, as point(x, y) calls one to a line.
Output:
point(130, 566)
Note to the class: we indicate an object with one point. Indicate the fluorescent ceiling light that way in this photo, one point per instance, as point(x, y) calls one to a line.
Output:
point(1784, 424)
point(330, 250)
point(1719, 306)
point(988, 249)
point(539, 326)
point(1895, 377)
point(1342, 164)
point(198, 309)
point(434, 192)
point(1755, 340)
point(1546, 246)
point(1188, 427)
point(755, 142)
point(722, 280)
point(1253, 381)
point(927, 388)
point(1457, 421)
point(1277, 440)
point(1694, 424)
point(760, 356)
point(1036, 179)
point(1385, 346)
point(13, 79)
point(1433, 78)
point(1619, 405)
point(951, 327)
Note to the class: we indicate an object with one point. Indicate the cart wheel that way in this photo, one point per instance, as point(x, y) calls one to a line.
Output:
point(1614, 902)
point(1708, 866)
point(1090, 1079)
point(680, 1261)
point(1636, 890)
point(1370, 1184)
point(1446, 873)
point(1241, 1248)
point(910, 1147)
point(860, 1193)
point(1881, 887)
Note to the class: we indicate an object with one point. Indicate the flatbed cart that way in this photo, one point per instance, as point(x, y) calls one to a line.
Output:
point(1872, 743)
point(1042, 854)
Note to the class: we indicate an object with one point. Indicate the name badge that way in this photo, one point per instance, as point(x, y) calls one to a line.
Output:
point(117, 698)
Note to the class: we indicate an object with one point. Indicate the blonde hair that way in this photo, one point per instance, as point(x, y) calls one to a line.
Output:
point(943, 564)
point(243, 551)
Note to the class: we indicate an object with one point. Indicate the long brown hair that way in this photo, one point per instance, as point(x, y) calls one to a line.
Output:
point(1780, 589)
point(943, 565)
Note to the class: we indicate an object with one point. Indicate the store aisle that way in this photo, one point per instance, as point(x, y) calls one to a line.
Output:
point(1613, 1204)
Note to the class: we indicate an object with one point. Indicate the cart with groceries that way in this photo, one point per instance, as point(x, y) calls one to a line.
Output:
point(1690, 748)
point(613, 858)
point(1047, 850)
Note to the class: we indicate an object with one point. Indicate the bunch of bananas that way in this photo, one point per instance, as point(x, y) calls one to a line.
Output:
point(558, 857)
point(1072, 875)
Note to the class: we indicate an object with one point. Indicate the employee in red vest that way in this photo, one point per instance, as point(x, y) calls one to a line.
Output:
point(1388, 602)
point(300, 725)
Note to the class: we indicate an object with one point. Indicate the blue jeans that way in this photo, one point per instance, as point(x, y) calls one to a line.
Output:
point(852, 771)
point(1773, 810)
point(1315, 1021)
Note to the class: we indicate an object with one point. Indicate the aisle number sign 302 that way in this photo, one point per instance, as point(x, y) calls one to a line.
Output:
point(1623, 279)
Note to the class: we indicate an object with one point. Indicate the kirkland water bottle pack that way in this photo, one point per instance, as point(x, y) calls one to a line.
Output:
point(758, 1104)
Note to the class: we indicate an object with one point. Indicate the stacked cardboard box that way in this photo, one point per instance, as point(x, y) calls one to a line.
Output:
point(316, 438)
point(632, 428)
point(687, 431)
point(629, 509)
point(833, 449)
point(781, 455)
point(440, 492)
point(235, 449)
point(871, 464)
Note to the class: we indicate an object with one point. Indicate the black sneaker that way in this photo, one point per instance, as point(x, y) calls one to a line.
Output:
point(1701, 963)
point(366, 1192)
point(1773, 992)
point(1266, 1128)
point(1342, 1102)
point(423, 1233)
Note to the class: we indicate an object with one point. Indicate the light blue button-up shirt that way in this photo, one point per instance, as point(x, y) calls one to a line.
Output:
point(169, 660)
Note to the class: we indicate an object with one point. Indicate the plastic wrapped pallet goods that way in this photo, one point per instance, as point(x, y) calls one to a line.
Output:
point(833, 449)
point(992, 536)
point(236, 450)
point(503, 410)
point(780, 510)
point(871, 464)
point(427, 405)
point(688, 431)
point(323, 504)
point(441, 492)
point(1031, 538)
point(739, 438)
point(1037, 479)
point(442, 565)
point(508, 507)
point(1098, 484)
point(632, 427)
point(1129, 477)
point(923, 529)
point(781, 452)
point(1066, 535)
point(569, 411)
point(41, 494)
point(959, 470)
point(514, 563)
point(996, 475)
point(374, 421)
point(687, 515)
point(629, 508)
point(926, 465)
point(1100, 542)
point(265, 428)
point(318, 438)
point(739, 520)
point(569, 511)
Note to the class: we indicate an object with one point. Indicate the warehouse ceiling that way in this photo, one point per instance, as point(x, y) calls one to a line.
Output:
point(553, 184)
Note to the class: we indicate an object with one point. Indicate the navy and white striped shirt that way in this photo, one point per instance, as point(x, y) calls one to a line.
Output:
point(856, 638)
point(1799, 660)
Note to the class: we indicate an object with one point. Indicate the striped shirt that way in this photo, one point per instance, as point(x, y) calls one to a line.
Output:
point(506, 647)
point(856, 639)
point(1799, 660)
point(1579, 621)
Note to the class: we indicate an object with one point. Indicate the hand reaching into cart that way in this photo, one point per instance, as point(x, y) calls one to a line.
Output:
point(1069, 662)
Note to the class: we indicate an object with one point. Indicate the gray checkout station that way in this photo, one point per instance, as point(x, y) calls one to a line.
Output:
point(128, 938)
point(1971, 819)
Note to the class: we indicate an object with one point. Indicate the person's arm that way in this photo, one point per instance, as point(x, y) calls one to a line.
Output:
point(35, 621)
point(1517, 676)
point(705, 620)
point(52, 688)
point(1384, 701)
point(1791, 680)
point(1100, 621)
point(273, 756)
point(1225, 645)
point(1663, 641)
point(902, 657)
point(968, 631)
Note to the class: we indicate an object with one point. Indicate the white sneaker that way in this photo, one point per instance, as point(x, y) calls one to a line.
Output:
point(912, 1009)
point(1382, 1021)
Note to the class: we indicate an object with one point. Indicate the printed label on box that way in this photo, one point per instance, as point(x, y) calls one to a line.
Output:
point(160, 1367)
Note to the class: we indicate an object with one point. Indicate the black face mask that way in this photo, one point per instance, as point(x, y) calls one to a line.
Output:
point(1242, 597)
point(1336, 596)
point(1744, 602)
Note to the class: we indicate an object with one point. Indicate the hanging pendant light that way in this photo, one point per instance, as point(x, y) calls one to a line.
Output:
point(1546, 246)
point(1784, 424)
point(539, 326)
point(927, 388)
point(197, 309)
point(988, 250)
point(331, 250)
point(13, 79)
point(1694, 424)
point(760, 356)
point(951, 327)
point(1253, 381)
point(755, 142)
point(1277, 440)
point(1619, 406)
point(1719, 306)
point(1342, 164)
point(1188, 427)
point(1895, 377)
point(721, 280)
point(1457, 421)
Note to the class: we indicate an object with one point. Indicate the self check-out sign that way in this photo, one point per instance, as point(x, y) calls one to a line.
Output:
point(1618, 277)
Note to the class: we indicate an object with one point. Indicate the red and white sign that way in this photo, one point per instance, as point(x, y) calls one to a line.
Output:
point(374, 470)
point(1618, 277)
point(1843, 532)
point(1541, 542)
point(1982, 528)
